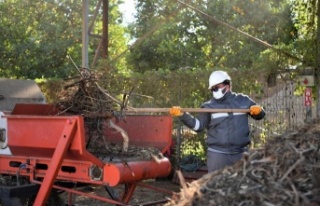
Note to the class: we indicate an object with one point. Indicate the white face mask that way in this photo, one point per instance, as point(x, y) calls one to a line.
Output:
point(220, 93)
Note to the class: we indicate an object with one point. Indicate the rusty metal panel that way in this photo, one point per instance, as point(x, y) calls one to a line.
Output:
point(34, 109)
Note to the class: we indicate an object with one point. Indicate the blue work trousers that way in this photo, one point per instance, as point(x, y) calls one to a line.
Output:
point(216, 161)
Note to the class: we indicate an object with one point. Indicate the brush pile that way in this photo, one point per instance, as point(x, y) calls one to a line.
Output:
point(285, 172)
point(84, 96)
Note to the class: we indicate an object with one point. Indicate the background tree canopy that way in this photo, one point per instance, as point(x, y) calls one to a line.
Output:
point(187, 38)
point(37, 35)
point(168, 36)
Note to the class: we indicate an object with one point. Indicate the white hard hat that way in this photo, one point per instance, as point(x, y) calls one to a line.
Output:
point(217, 77)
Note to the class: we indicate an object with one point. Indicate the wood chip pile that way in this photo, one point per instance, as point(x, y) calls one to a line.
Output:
point(285, 172)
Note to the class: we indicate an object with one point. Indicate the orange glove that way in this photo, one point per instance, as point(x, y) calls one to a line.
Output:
point(255, 110)
point(175, 111)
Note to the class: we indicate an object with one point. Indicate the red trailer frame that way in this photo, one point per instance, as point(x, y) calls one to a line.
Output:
point(48, 149)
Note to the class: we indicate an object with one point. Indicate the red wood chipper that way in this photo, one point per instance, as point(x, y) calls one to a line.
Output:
point(49, 151)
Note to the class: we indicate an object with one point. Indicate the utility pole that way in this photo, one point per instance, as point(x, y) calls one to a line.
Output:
point(85, 35)
point(105, 29)
point(317, 67)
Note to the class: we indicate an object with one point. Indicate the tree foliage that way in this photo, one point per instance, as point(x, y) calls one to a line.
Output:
point(304, 15)
point(191, 37)
point(36, 37)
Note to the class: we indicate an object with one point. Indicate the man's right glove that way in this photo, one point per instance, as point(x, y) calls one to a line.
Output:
point(175, 111)
point(255, 110)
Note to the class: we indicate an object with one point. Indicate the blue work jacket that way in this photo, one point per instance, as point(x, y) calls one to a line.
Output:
point(226, 132)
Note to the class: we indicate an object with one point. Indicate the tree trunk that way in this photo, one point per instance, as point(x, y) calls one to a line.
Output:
point(317, 69)
point(105, 29)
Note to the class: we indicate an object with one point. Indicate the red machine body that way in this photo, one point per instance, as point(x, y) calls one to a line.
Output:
point(48, 149)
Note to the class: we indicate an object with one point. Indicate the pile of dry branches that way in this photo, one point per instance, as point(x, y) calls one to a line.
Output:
point(84, 96)
point(285, 172)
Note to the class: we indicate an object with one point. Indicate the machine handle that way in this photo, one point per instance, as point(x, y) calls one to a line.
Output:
point(197, 110)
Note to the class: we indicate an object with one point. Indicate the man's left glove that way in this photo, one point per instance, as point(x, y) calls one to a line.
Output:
point(255, 110)
point(175, 111)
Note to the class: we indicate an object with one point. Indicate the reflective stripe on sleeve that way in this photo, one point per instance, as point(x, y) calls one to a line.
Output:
point(197, 125)
point(239, 113)
point(218, 115)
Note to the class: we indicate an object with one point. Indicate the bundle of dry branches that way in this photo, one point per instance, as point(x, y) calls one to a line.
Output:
point(84, 96)
point(285, 172)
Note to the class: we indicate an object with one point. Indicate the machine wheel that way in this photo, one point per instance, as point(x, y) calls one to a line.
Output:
point(53, 200)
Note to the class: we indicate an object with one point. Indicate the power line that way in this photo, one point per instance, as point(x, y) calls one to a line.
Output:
point(255, 39)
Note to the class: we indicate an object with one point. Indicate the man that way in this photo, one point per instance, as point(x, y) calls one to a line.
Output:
point(227, 133)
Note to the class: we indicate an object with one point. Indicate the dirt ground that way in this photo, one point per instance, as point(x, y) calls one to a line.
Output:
point(141, 195)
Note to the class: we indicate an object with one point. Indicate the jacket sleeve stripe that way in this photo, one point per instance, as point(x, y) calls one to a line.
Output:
point(197, 125)
point(217, 115)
